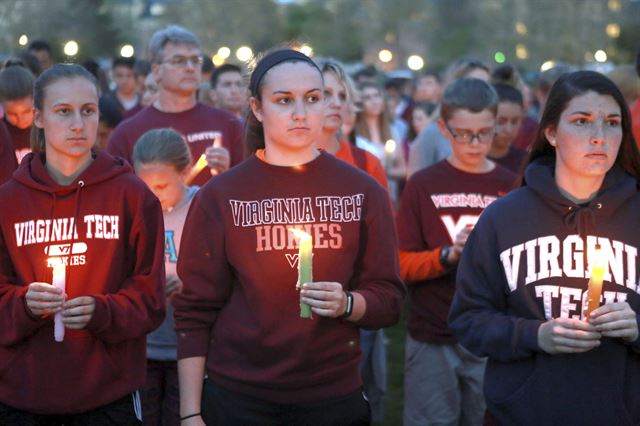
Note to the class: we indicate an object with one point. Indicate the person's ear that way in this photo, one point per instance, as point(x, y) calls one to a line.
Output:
point(550, 134)
point(37, 118)
point(256, 108)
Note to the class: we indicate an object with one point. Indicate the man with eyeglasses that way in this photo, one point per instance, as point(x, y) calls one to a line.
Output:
point(176, 59)
point(439, 207)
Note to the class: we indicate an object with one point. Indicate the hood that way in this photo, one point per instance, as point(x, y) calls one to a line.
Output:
point(33, 173)
point(618, 186)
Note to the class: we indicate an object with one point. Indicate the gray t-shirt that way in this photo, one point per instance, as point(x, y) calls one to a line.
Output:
point(427, 149)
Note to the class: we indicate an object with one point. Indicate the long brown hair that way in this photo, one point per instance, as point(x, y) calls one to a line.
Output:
point(575, 84)
point(384, 122)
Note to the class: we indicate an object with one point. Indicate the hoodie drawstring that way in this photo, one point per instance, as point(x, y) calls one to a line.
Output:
point(75, 223)
point(583, 219)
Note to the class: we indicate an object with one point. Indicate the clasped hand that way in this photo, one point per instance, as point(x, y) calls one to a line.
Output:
point(566, 335)
point(45, 299)
point(326, 299)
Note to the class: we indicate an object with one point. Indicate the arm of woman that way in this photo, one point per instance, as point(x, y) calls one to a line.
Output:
point(478, 314)
point(190, 378)
point(139, 306)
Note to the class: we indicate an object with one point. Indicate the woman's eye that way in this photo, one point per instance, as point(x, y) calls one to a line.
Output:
point(88, 111)
point(63, 111)
point(313, 98)
point(342, 97)
point(580, 121)
point(613, 123)
point(283, 101)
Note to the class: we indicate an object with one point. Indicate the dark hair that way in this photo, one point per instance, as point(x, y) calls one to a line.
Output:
point(142, 67)
point(215, 75)
point(165, 146)
point(52, 75)
point(470, 94)
point(109, 111)
point(508, 93)
point(575, 84)
point(254, 132)
point(30, 61)
point(207, 64)
point(461, 67)
point(16, 82)
point(39, 45)
point(426, 74)
point(548, 77)
point(123, 62)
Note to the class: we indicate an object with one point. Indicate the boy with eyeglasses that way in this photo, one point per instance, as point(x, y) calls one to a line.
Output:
point(176, 65)
point(440, 205)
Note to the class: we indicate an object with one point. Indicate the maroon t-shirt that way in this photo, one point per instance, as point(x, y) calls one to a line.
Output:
point(200, 125)
point(514, 160)
point(20, 138)
point(8, 162)
point(437, 203)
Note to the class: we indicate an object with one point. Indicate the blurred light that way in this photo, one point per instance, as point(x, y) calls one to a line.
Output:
point(600, 56)
point(157, 9)
point(244, 53)
point(499, 57)
point(521, 28)
point(217, 59)
point(71, 48)
point(415, 62)
point(390, 146)
point(127, 51)
point(385, 55)
point(306, 49)
point(547, 65)
point(224, 52)
point(23, 40)
point(613, 30)
point(615, 5)
point(521, 51)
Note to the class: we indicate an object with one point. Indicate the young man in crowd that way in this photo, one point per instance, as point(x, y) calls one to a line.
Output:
point(125, 94)
point(228, 89)
point(440, 205)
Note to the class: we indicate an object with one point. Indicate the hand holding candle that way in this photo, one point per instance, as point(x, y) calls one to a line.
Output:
point(594, 291)
point(305, 265)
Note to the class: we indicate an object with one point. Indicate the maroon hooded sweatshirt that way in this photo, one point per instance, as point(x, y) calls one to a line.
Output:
point(8, 162)
point(107, 227)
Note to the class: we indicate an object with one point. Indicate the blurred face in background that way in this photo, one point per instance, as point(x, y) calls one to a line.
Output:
point(150, 91)
point(125, 80)
point(335, 98)
point(428, 89)
point(508, 122)
point(372, 101)
point(419, 120)
point(19, 112)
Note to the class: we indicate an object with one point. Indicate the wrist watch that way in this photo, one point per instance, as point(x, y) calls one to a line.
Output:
point(444, 257)
point(349, 308)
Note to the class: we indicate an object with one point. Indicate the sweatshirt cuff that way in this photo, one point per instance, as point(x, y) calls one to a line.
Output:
point(380, 313)
point(194, 342)
point(99, 317)
point(529, 336)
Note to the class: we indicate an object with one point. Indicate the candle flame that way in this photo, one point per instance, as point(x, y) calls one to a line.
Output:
point(201, 163)
point(597, 258)
point(390, 146)
point(301, 235)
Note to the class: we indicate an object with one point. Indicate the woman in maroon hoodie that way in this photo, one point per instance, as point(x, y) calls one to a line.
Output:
point(86, 216)
point(238, 317)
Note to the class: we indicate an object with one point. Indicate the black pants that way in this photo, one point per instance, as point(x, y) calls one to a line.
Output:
point(221, 407)
point(120, 412)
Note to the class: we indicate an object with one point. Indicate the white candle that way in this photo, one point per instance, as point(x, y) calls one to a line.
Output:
point(59, 281)
point(389, 149)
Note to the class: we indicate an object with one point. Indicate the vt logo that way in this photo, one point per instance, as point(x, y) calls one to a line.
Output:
point(292, 259)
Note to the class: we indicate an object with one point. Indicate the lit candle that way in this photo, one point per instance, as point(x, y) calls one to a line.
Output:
point(59, 281)
point(305, 265)
point(389, 149)
point(197, 168)
point(594, 291)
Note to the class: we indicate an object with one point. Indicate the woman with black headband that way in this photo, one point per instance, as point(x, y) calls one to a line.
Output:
point(238, 318)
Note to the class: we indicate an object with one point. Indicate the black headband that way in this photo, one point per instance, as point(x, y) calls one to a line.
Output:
point(273, 59)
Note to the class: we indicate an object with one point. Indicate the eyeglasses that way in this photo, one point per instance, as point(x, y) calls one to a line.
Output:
point(183, 61)
point(466, 137)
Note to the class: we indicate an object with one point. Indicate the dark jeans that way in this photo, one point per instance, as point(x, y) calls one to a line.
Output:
point(120, 412)
point(221, 407)
point(160, 396)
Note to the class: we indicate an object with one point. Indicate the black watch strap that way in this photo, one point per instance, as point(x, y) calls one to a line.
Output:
point(349, 309)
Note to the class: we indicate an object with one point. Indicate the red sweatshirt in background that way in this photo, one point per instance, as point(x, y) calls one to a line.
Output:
point(238, 261)
point(107, 227)
point(200, 126)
